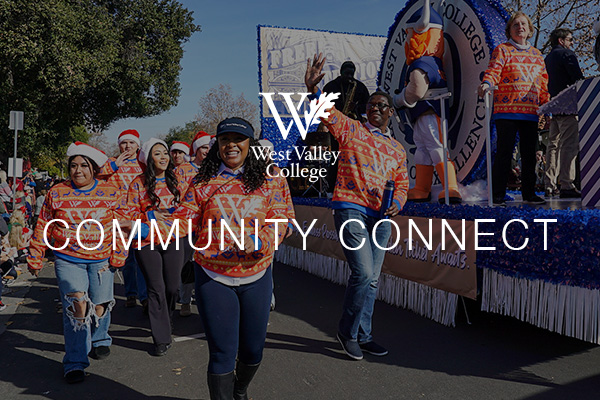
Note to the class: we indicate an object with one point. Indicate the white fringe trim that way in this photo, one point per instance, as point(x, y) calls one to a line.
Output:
point(429, 302)
point(568, 310)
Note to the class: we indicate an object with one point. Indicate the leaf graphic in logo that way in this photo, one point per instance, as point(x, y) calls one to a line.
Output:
point(318, 107)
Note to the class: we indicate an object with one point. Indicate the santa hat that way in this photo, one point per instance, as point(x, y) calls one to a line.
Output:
point(84, 149)
point(202, 138)
point(181, 146)
point(144, 153)
point(130, 134)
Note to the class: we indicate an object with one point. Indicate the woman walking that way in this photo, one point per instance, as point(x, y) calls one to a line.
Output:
point(85, 279)
point(153, 195)
point(233, 280)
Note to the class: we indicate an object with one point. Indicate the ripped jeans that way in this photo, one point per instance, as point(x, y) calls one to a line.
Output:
point(95, 282)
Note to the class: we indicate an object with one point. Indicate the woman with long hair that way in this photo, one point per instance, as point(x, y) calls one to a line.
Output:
point(519, 71)
point(233, 262)
point(82, 267)
point(153, 195)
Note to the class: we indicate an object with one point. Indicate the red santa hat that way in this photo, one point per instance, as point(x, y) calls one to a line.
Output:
point(130, 134)
point(144, 153)
point(202, 138)
point(181, 146)
point(84, 149)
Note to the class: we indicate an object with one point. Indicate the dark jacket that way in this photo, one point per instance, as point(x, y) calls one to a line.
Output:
point(563, 69)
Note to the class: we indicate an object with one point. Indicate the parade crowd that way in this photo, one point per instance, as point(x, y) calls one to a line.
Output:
point(217, 178)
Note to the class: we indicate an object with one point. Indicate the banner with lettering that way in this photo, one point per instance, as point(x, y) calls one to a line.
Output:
point(444, 267)
point(282, 63)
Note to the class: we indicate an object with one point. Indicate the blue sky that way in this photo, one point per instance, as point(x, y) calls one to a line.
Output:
point(226, 49)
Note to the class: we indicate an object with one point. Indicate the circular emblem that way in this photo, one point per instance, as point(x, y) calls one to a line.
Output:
point(472, 29)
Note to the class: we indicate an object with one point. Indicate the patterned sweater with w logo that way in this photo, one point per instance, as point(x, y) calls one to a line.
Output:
point(367, 160)
point(71, 205)
point(223, 200)
point(522, 81)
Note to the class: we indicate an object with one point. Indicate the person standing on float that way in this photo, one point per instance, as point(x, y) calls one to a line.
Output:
point(234, 283)
point(519, 71)
point(369, 158)
point(85, 279)
point(121, 171)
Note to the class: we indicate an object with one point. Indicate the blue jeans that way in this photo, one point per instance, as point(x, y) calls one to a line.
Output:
point(135, 284)
point(95, 281)
point(235, 319)
point(365, 267)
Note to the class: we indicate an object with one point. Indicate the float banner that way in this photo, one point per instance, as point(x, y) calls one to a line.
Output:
point(452, 270)
point(282, 55)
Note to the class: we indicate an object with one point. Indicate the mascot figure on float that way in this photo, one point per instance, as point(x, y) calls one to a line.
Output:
point(424, 48)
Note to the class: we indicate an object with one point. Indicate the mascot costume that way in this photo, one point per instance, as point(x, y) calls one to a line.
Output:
point(424, 48)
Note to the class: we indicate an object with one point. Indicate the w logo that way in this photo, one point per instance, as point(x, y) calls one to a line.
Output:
point(311, 117)
point(530, 72)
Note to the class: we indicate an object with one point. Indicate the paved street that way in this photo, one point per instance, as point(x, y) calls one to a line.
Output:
point(494, 358)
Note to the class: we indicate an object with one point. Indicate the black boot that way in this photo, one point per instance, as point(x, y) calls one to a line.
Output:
point(243, 376)
point(220, 386)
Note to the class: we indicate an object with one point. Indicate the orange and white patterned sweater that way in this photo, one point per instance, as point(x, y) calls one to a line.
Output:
point(73, 206)
point(223, 198)
point(121, 176)
point(367, 160)
point(522, 81)
point(140, 207)
point(186, 173)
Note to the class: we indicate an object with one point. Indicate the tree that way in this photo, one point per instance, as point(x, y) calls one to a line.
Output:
point(547, 15)
point(219, 103)
point(87, 63)
point(183, 133)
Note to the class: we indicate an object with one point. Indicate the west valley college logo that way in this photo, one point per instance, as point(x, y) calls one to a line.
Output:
point(311, 117)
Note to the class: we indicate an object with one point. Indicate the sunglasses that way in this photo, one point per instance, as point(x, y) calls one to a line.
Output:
point(380, 106)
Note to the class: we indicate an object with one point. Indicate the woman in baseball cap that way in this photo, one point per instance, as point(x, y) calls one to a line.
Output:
point(233, 280)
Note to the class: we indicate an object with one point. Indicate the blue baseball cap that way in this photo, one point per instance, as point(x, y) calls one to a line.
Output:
point(235, 125)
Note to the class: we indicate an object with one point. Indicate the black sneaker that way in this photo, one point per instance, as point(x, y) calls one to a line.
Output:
point(570, 194)
point(351, 348)
point(131, 302)
point(75, 376)
point(373, 348)
point(100, 352)
point(534, 200)
point(161, 349)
